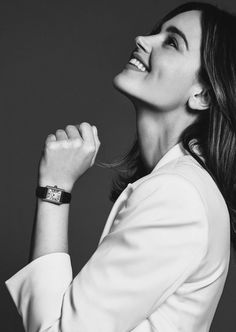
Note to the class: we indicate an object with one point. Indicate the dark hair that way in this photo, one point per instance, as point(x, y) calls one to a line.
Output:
point(214, 131)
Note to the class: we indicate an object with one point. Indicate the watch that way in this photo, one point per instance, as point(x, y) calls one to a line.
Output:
point(53, 194)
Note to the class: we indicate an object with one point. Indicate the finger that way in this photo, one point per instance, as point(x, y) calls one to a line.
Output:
point(61, 135)
point(96, 139)
point(97, 143)
point(87, 133)
point(50, 138)
point(72, 132)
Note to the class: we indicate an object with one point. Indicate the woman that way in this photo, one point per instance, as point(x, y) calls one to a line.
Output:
point(163, 257)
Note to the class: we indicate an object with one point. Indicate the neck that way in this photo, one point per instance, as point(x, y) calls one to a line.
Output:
point(158, 131)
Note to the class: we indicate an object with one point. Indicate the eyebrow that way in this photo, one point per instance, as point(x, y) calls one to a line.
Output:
point(173, 29)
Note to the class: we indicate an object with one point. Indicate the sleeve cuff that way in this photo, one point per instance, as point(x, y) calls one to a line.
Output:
point(49, 274)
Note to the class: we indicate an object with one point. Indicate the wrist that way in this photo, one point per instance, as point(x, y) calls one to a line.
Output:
point(43, 182)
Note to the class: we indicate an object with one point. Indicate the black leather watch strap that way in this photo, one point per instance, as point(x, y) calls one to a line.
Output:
point(41, 192)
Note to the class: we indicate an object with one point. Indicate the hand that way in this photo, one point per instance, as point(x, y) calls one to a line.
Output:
point(68, 154)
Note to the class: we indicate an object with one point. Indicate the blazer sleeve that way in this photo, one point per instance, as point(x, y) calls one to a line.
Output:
point(156, 242)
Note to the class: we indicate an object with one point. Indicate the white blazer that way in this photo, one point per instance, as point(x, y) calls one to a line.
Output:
point(160, 265)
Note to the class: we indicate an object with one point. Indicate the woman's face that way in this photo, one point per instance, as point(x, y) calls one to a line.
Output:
point(173, 59)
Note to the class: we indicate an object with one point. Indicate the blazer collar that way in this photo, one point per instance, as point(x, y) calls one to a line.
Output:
point(175, 152)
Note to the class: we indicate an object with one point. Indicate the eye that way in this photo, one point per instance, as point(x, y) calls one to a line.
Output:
point(171, 41)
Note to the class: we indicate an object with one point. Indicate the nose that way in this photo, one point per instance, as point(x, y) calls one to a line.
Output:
point(141, 42)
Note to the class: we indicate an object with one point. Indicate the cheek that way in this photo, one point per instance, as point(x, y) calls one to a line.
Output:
point(173, 77)
point(168, 84)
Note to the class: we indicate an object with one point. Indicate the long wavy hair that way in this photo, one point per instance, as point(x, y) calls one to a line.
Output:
point(214, 131)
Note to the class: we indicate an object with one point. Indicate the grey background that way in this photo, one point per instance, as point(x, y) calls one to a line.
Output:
point(58, 59)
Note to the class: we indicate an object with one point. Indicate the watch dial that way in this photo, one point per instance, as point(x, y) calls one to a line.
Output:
point(53, 194)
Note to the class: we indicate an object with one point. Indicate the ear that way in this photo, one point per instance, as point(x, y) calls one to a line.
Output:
point(199, 98)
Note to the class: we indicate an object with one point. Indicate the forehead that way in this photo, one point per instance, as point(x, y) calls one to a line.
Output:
point(190, 24)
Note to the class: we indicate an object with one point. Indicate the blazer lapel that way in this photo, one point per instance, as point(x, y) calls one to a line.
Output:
point(117, 206)
point(175, 152)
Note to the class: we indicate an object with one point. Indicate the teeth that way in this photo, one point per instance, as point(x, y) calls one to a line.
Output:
point(138, 64)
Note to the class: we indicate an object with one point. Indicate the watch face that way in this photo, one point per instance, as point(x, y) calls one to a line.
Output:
point(53, 194)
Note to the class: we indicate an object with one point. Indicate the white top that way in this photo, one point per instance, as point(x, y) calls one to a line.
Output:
point(160, 265)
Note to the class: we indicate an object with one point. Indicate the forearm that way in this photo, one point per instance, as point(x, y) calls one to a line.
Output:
point(39, 289)
point(66, 156)
point(50, 229)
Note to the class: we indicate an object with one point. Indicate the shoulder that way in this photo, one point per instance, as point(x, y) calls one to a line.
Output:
point(183, 176)
point(171, 207)
point(174, 180)
point(184, 184)
point(170, 196)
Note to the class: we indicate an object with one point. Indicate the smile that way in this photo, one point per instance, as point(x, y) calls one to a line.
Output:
point(137, 64)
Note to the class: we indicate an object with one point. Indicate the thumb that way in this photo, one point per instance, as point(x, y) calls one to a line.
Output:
point(97, 143)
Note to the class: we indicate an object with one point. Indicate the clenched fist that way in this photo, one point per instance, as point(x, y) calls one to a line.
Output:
point(68, 154)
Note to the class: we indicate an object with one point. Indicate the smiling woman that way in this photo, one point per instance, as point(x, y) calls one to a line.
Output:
point(171, 79)
point(194, 38)
point(163, 256)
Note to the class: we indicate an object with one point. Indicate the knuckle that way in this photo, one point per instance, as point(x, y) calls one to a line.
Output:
point(49, 145)
point(59, 131)
point(69, 126)
point(84, 124)
point(76, 142)
point(49, 137)
point(64, 144)
point(90, 148)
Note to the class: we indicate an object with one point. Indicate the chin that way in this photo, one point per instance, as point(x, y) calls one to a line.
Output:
point(119, 81)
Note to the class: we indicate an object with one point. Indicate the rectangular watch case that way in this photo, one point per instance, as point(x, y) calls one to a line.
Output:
point(53, 195)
